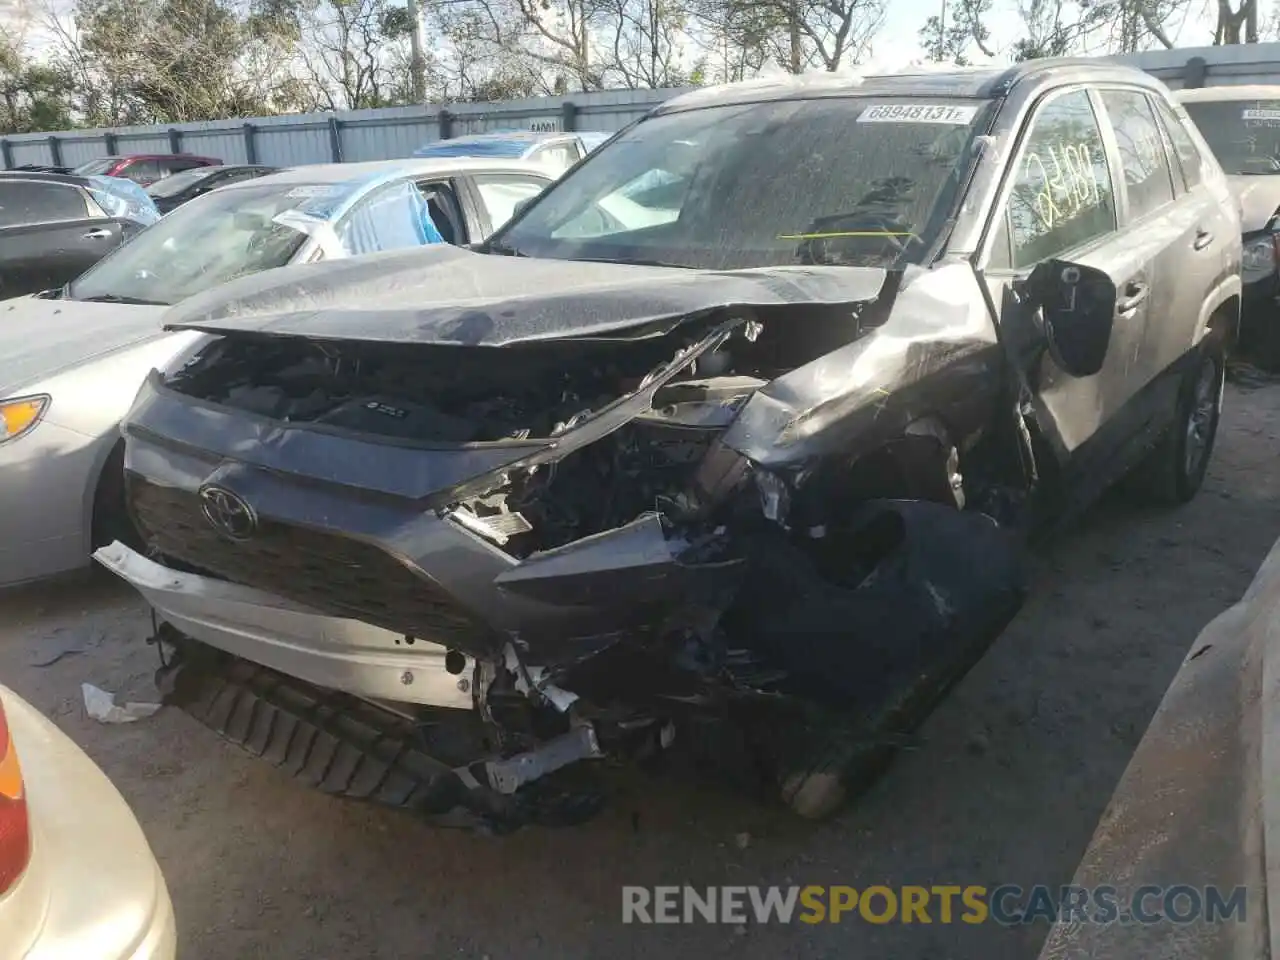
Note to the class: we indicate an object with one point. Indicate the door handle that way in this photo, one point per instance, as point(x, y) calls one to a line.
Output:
point(1203, 239)
point(100, 233)
point(1134, 293)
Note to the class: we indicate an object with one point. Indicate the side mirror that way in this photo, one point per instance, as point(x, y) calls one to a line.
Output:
point(1079, 307)
point(521, 206)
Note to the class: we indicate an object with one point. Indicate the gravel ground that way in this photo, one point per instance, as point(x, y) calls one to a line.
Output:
point(1004, 783)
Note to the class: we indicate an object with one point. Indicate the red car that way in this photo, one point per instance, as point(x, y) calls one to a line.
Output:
point(144, 168)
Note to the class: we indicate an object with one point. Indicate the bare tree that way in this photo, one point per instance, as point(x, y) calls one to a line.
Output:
point(1059, 27)
point(948, 40)
point(1231, 22)
point(646, 42)
point(346, 53)
point(797, 34)
point(837, 32)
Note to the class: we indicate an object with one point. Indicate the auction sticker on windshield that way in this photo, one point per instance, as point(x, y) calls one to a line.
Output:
point(1256, 114)
point(312, 190)
point(917, 113)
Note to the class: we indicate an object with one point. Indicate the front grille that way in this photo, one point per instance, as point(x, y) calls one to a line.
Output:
point(334, 574)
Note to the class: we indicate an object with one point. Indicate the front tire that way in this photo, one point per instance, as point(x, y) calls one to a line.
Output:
point(1175, 470)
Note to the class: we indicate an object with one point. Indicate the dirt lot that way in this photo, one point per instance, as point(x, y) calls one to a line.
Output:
point(1004, 784)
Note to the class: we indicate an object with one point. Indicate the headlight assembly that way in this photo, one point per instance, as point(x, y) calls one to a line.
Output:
point(1258, 259)
point(20, 415)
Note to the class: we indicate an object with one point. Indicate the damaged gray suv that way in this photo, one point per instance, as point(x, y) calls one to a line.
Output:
point(723, 451)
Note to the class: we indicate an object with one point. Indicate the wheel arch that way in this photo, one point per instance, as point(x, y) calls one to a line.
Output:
point(97, 490)
point(1221, 312)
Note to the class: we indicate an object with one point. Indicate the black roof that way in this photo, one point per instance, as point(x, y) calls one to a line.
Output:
point(984, 83)
point(68, 178)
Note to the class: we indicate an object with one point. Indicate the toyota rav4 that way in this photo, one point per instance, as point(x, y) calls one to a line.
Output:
point(724, 448)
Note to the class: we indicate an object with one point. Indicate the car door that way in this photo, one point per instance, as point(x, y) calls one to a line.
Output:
point(499, 194)
point(1163, 222)
point(1062, 199)
point(1203, 245)
point(50, 233)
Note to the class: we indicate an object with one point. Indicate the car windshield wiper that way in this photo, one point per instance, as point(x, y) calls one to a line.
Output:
point(116, 298)
point(632, 262)
point(503, 249)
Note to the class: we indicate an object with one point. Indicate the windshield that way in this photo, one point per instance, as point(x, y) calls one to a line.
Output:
point(175, 184)
point(214, 238)
point(93, 167)
point(850, 181)
point(1243, 134)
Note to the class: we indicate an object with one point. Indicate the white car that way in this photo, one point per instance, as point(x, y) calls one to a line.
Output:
point(556, 152)
point(77, 877)
point(73, 359)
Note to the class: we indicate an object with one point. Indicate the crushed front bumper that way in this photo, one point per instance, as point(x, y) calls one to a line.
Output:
point(331, 652)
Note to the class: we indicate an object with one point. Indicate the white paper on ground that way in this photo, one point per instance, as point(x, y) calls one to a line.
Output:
point(102, 706)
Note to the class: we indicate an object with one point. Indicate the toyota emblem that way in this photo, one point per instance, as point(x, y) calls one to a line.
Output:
point(228, 513)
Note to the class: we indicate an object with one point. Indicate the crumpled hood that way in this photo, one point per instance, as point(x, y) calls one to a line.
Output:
point(1259, 197)
point(44, 337)
point(447, 295)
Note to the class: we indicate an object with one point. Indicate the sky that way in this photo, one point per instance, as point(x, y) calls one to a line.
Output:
point(899, 37)
point(897, 43)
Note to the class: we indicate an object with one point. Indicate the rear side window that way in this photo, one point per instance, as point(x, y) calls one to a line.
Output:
point(235, 176)
point(27, 202)
point(501, 195)
point(1062, 197)
point(1184, 147)
point(559, 155)
point(143, 171)
point(1142, 155)
point(178, 164)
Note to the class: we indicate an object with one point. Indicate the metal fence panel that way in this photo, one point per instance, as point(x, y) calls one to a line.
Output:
point(383, 140)
point(226, 145)
point(355, 135)
point(145, 143)
point(285, 146)
point(78, 150)
point(1227, 65)
point(31, 152)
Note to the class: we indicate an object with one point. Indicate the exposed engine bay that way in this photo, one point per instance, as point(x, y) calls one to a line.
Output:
point(569, 532)
point(441, 396)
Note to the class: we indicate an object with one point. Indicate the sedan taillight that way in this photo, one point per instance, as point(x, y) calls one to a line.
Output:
point(15, 831)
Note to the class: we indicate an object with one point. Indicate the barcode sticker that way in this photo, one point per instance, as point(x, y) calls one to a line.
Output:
point(917, 113)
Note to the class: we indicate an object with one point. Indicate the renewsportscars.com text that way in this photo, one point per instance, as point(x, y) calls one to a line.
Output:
point(1008, 904)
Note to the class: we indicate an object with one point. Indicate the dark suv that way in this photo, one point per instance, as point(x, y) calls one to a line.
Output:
point(52, 229)
point(727, 443)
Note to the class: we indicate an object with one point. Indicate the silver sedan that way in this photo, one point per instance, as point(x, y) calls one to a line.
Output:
point(73, 360)
point(77, 877)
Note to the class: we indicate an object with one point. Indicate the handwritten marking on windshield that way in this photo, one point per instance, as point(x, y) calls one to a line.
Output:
point(835, 234)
